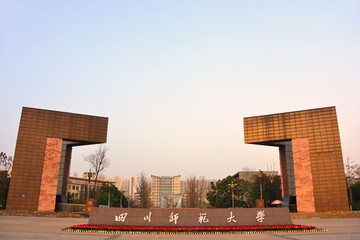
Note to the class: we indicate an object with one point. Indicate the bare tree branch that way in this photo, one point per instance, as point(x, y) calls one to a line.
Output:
point(352, 170)
point(98, 161)
point(195, 191)
point(5, 164)
point(5, 161)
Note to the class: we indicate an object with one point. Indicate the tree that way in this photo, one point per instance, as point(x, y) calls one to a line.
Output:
point(5, 164)
point(195, 191)
point(355, 189)
point(5, 161)
point(192, 192)
point(221, 194)
point(271, 189)
point(143, 188)
point(352, 170)
point(98, 161)
point(117, 198)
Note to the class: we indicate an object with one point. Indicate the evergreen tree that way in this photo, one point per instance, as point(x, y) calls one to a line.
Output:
point(221, 194)
point(116, 197)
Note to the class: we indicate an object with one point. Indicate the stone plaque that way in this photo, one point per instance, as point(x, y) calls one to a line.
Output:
point(182, 217)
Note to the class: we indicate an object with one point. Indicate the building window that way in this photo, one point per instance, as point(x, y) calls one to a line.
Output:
point(73, 187)
point(77, 187)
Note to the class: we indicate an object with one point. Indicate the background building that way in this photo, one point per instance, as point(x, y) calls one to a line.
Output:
point(125, 184)
point(132, 186)
point(117, 181)
point(78, 187)
point(250, 175)
point(165, 191)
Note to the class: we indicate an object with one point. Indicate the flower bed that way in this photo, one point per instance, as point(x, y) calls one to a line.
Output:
point(190, 230)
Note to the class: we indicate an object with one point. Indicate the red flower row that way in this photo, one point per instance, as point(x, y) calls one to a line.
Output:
point(186, 229)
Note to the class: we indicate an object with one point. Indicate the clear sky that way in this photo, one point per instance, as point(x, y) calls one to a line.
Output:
point(176, 78)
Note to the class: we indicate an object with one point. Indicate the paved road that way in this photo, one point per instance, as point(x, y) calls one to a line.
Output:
point(15, 227)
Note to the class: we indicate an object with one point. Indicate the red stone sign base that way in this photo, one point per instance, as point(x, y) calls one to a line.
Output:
point(180, 217)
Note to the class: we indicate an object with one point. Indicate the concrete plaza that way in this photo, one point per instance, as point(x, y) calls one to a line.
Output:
point(18, 227)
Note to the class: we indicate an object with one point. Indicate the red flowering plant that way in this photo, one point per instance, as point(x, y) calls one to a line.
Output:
point(210, 230)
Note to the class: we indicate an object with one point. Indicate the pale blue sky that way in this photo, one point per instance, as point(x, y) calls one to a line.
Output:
point(176, 78)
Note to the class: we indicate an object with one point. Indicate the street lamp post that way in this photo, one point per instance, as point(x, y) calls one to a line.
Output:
point(109, 185)
point(129, 201)
point(260, 203)
point(121, 197)
point(232, 186)
point(89, 175)
point(260, 174)
point(216, 196)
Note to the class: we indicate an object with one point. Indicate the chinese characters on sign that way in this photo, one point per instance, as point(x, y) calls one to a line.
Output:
point(231, 218)
point(203, 218)
point(148, 217)
point(121, 217)
point(190, 217)
point(260, 216)
point(173, 217)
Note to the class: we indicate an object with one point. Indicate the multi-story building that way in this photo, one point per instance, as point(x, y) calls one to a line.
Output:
point(132, 186)
point(127, 186)
point(78, 187)
point(117, 181)
point(125, 183)
point(165, 191)
point(251, 175)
